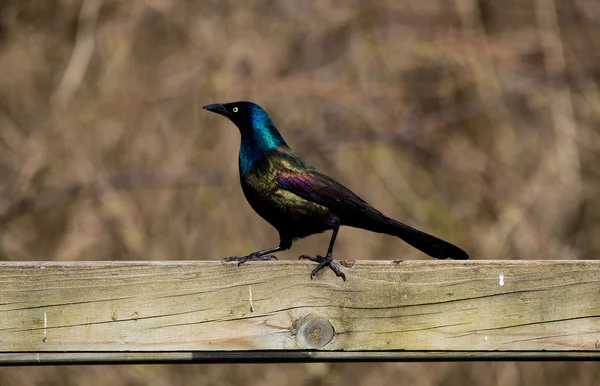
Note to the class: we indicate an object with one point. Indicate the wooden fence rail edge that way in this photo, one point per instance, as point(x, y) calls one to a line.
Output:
point(207, 311)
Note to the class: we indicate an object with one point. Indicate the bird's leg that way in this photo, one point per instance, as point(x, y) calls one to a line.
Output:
point(327, 260)
point(260, 255)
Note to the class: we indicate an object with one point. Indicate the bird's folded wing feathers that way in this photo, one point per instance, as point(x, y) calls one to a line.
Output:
point(320, 189)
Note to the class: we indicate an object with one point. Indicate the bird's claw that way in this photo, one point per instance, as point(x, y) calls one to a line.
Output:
point(317, 259)
point(251, 257)
point(324, 261)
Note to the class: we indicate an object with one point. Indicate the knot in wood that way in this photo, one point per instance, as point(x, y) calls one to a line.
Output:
point(314, 332)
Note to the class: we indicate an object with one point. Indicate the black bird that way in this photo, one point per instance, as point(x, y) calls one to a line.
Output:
point(299, 201)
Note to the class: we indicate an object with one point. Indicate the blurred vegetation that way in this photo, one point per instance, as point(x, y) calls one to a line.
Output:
point(478, 121)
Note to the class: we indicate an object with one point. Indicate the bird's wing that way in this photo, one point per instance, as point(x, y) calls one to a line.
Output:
point(320, 189)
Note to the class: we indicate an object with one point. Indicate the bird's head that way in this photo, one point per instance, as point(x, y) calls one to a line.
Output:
point(254, 123)
point(247, 116)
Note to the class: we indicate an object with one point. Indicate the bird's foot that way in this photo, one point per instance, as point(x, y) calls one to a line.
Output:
point(250, 257)
point(324, 261)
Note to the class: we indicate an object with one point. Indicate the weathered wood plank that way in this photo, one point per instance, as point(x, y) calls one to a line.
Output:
point(172, 310)
point(281, 356)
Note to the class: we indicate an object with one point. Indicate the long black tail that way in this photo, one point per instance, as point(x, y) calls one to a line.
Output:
point(426, 243)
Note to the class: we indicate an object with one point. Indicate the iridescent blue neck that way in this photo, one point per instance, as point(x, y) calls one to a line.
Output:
point(262, 137)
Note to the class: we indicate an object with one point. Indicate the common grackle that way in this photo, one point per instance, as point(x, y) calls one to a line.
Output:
point(300, 201)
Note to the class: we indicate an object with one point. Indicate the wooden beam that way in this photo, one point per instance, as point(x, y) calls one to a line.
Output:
point(178, 311)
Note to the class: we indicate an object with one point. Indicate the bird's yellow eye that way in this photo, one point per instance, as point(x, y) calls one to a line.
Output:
point(235, 109)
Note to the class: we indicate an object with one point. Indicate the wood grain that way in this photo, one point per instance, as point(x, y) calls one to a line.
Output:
point(209, 311)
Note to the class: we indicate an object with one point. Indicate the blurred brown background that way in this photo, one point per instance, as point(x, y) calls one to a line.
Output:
point(478, 121)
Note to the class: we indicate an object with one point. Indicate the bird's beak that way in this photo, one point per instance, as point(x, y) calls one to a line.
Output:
point(217, 108)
